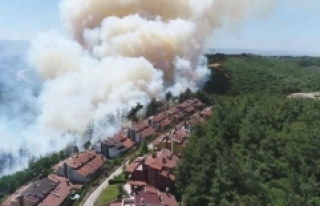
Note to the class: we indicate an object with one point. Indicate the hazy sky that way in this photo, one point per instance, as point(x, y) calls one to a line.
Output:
point(289, 27)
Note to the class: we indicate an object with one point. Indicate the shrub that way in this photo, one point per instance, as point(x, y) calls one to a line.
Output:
point(116, 181)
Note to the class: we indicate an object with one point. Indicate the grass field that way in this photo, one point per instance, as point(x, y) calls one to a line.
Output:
point(109, 194)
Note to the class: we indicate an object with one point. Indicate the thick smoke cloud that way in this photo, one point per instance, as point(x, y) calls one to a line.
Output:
point(115, 53)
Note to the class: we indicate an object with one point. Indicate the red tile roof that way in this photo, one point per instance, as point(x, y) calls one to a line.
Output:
point(12, 197)
point(122, 138)
point(86, 163)
point(147, 132)
point(169, 199)
point(115, 204)
point(190, 109)
point(133, 165)
point(121, 134)
point(159, 117)
point(198, 104)
point(162, 159)
point(154, 197)
point(173, 110)
point(59, 194)
point(184, 104)
point(128, 143)
point(165, 122)
point(180, 135)
point(167, 174)
point(196, 121)
point(140, 126)
point(56, 167)
point(178, 115)
point(207, 112)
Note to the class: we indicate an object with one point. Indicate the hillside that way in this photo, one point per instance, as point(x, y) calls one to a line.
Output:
point(259, 148)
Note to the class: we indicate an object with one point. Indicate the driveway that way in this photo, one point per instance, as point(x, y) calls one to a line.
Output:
point(96, 193)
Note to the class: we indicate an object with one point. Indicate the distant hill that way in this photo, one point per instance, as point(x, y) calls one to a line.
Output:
point(261, 52)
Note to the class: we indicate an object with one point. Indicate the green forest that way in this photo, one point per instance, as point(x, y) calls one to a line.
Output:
point(259, 147)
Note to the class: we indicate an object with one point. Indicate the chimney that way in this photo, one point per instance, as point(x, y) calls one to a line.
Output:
point(159, 196)
point(164, 160)
point(167, 190)
point(142, 202)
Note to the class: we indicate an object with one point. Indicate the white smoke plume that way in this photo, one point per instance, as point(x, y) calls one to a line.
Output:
point(117, 53)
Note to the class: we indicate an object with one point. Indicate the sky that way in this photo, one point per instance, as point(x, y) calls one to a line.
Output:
point(288, 28)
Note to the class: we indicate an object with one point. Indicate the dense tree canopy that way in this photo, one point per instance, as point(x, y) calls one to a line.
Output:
point(259, 148)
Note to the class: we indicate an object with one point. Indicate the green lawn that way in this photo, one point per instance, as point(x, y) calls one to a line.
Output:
point(109, 194)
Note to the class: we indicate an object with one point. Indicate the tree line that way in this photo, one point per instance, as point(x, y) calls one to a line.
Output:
point(259, 147)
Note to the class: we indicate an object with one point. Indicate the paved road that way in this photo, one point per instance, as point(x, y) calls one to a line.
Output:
point(96, 193)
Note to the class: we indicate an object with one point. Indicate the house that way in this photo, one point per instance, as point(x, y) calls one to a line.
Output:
point(175, 114)
point(148, 196)
point(50, 191)
point(114, 146)
point(82, 167)
point(155, 170)
point(141, 132)
point(159, 122)
point(175, 141)
point(190, 106)
point(198, 104)
point(206, 113)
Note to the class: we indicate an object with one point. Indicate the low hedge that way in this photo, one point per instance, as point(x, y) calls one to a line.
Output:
point(116, 181)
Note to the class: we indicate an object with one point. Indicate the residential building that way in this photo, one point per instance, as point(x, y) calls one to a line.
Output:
point(82, 167)
point(195, 120)
point(141, 132)
point(175, 141)
point(190, 106)
point(159, 122)
point(50, 191)
point(206, 113)
point(175, 114)
point(148, 196)
point(155, 170)
point(114, 146)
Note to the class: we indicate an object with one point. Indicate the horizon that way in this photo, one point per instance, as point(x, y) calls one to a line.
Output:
point(227, 51)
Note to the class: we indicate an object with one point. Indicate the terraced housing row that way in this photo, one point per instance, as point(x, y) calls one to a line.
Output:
point(148, 177)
